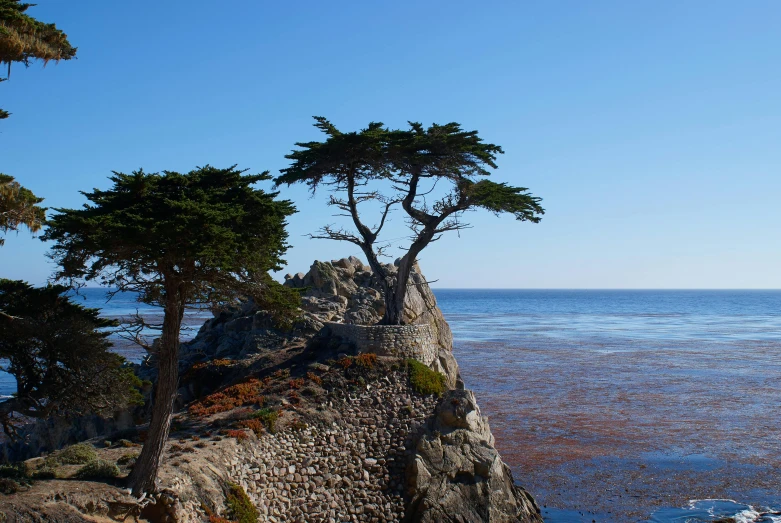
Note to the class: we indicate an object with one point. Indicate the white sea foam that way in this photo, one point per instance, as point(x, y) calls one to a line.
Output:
point(748, 514)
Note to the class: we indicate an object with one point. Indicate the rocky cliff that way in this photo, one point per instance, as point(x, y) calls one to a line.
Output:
point(343, 291)
point(310, 429)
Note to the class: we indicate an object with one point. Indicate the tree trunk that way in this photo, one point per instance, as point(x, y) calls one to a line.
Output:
point(396, 293)
point(144, 474)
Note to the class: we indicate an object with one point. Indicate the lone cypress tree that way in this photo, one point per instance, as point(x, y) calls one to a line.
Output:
point(418, 164)
point(24, 39)
point(58, 352)
point(175, 239)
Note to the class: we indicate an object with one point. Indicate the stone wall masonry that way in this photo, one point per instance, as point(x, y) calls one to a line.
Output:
point(402, 341)
point(353, 471)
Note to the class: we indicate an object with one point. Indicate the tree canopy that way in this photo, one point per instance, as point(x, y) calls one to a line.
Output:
point(24, 39)
point(58, 351)
point(18, 207)
point(436, 175)
point(203, 237)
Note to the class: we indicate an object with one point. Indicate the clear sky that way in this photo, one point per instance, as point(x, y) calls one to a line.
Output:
point(652, 130)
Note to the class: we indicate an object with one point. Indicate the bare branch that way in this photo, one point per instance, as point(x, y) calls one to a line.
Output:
point(328, 232)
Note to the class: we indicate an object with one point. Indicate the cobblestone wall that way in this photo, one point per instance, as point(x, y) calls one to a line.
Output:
point(351, 472)
point(403, 341)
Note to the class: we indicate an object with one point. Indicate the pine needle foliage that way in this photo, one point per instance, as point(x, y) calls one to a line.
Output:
point(177, 239)
point(436, 175)
point(18, 207)
point(24, 39)
point(58, 352)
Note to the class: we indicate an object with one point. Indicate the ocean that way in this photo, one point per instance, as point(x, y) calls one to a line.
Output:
point(617, 406)
point(627, 406)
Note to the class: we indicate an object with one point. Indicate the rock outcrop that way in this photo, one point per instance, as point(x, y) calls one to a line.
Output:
point(457, 475)
point(342, 291)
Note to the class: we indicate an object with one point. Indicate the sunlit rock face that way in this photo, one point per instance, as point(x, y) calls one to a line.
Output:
point(458, 476)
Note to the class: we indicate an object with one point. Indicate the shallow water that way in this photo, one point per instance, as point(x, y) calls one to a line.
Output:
point(615, 405)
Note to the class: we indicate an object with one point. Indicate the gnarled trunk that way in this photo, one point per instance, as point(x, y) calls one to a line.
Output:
point(396, 291)
point(395, 294)
point(142, 479)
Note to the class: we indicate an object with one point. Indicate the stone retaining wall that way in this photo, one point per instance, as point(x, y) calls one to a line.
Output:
point(350, 472)
point(403, 341)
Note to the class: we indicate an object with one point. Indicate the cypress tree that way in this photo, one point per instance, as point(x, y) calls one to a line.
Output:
point(204, 237)
point(415, 163)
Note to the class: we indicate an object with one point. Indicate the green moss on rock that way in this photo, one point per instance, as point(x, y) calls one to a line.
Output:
point(425, 380)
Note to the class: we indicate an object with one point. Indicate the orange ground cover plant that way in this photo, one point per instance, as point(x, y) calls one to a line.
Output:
point(255, 425)
point(314, 378)
point(240, 435)
point(366, 360)
point(246, 393)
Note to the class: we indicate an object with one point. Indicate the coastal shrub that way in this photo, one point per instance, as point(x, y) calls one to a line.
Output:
point(8, 486)
point(268, 417)
point(126, 443)
point(425, 380)
point(297, 383)
point(345, 362)
point(314, 378)
point(366, 360)
point(241, 508)
point(45, 472)
point(98, 469)
point(13, 471)
point(78, 454)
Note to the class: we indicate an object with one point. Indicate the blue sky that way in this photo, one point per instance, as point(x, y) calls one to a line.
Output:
point(650, 129)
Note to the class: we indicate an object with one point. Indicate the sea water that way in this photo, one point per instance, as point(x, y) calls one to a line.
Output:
point(628, 405)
